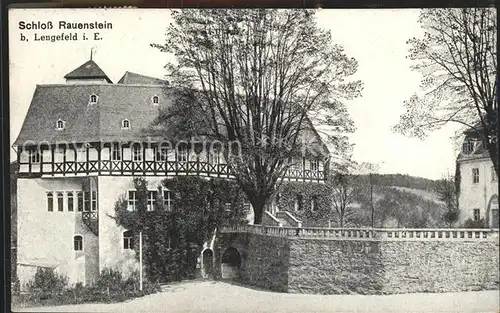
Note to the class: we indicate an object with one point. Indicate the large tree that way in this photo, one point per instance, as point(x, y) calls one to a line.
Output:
point(346, 191)
point(259, 80)
point(457, 59)
point(447, 192)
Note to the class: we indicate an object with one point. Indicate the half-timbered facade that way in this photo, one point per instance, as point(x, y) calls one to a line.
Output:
point(79, 147)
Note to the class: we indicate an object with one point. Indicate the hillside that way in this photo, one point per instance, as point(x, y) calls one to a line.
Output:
point(400, 180)
point(398, 201)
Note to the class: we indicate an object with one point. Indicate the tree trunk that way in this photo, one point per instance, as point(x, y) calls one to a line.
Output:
point(258, 210)
point(493, 151)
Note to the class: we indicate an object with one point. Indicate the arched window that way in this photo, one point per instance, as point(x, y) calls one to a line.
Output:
point(60, 201)
point(60, 124)
point(214, 157)
point(156, 99)
point(50, 201)
point(34, 156)
point(93, 99)
point(128, 239)
point(182, 154)
point(80, 201)
point(298, 203)
point(314, 203)
point(125, 124)
point(70, 201)
point(78, 243)
point(314, 164)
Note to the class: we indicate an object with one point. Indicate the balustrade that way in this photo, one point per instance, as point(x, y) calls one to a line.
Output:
point(368, 233)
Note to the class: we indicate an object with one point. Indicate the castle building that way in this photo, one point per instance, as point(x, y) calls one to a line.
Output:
point(79, 148)
point(478, 197)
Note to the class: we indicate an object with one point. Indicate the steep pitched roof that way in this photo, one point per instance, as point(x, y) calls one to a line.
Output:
point(134, 78)
point(86, 122)
point(88, 70)
point(130, 99)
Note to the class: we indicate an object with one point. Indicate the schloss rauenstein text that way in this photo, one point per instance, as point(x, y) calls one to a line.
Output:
point(63, 25)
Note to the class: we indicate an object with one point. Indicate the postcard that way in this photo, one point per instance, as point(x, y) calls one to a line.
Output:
point(254, 160)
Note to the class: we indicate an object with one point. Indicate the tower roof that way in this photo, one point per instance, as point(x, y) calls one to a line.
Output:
point(134, 78)
point(88, 70)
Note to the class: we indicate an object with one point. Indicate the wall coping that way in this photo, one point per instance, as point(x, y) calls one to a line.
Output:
point(375, 234)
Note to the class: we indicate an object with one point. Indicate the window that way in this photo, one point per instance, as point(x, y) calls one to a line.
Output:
point(152, 195)
point(70, 202)
point(78, 243)
point(167, 199)
point(475, 175)
point(162, 154)
point(493, 174)
point(182, 154)
point(116, 152)
point(34, 156)
point(214, 157)
point(156, 99)
point(468, 147)
point(314, 203)
point(477, 215)
point(86, 200)
point(60, 201)
point(128, 240)
point(125, 124)
point(60, 124)
point(94, 200)
point(132, 200)
point(137, 153)
point(58, 155)
point(93, 99)
point(303, 163)
point(50, 202)
point(298, 203)
point(79, 196)
point(314, 165)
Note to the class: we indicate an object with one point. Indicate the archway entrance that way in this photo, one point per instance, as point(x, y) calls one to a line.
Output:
point(208, 262)
point(230, 265)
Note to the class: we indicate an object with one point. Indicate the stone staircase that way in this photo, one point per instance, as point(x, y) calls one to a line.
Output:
point(280, 219)
point(283, 222)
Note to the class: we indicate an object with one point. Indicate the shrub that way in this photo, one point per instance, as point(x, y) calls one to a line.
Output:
point(46, 283)
point(110, 287)
point(109, 279)
point(16, 285)
point(474, 224)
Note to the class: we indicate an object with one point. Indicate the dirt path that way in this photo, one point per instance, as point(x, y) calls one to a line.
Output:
point(222, 297)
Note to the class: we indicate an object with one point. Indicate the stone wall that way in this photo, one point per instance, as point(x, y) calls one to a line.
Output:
point(335, 266)
point(266, 265)
point(364, 266)
point(439, 266)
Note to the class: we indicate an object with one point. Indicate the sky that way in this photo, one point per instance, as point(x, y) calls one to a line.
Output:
point(376, 38)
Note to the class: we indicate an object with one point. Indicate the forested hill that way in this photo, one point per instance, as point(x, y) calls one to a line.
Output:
point(400, 180)
point(398, 201)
